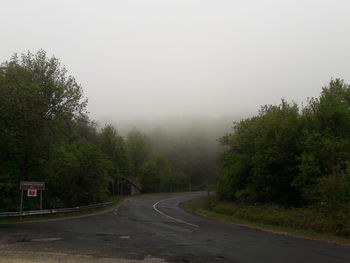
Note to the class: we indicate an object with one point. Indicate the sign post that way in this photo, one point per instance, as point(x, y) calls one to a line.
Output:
point(41, 201)
point(31, 188)
point(21, 207)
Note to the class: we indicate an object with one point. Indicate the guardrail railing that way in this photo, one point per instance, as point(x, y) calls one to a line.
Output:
point(54, 211)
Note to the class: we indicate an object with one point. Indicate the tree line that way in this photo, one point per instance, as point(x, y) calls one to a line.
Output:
point(47, 135)
point(290, 155)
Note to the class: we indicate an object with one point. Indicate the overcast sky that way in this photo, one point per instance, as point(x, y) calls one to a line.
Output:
point(151, 58)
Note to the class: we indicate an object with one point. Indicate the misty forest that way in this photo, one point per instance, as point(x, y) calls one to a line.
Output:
point(288, 155)
point(46, 135)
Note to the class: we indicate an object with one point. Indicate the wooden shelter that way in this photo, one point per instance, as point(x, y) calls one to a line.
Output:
point(135, 186)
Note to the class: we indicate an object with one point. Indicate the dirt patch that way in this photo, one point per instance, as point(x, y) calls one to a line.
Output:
point(43, 257)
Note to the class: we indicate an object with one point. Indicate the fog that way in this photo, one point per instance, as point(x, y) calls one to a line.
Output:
point(144, 61)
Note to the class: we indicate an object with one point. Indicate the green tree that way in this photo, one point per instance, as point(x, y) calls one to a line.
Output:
point(261, 156)
point(39, 101)
point(156, 175)
point(79, 175)
point(115, 150)
point(291, 157)
point(139, 149)
point(325, 143)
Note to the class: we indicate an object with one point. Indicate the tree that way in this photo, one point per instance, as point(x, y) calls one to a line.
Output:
point(261, 156)
point(39, 103)
point(291, 157)
point(79, 175)
point(115, 150)
point(156, 175)
point(139, 149)
point(325, 144)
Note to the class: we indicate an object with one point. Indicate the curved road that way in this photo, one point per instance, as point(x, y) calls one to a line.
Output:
point(155, 226)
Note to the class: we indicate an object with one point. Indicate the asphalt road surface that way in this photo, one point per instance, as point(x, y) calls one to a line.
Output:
point(155, 226)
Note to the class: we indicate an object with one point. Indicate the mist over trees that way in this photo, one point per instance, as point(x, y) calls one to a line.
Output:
point(291, 156)
point(182, 160)
point(140, 150)
point(46, 135)
point(286, 155)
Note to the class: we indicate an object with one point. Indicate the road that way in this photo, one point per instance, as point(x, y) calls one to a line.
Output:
point(155, 226)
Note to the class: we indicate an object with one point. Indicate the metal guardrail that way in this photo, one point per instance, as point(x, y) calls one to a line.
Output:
point(53, 211)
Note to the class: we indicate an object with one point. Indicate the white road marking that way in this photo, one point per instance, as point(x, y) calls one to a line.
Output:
point(170, 217)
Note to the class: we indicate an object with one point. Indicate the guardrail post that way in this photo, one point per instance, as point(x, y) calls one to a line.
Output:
point(41, 202)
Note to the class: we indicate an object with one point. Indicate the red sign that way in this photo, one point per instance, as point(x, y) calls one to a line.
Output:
point(31, 192)
point(25, 185)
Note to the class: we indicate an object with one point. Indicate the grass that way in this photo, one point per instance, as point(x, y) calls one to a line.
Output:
point(311, 223)
point(113, 203)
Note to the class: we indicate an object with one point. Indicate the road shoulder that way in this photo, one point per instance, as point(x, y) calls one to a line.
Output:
point(190, 208)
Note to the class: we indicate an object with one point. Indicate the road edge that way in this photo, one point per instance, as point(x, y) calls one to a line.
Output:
point(185, 207)
point(117, 205)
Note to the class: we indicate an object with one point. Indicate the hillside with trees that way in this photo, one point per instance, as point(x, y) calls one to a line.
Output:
point(292, 156)
point(47, 135)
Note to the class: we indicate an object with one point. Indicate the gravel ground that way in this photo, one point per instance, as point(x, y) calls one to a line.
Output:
point(42, 257)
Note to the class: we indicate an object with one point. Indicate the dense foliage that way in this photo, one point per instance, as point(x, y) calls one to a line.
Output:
point(291, 156)
point(191, 156)
point(46, 135)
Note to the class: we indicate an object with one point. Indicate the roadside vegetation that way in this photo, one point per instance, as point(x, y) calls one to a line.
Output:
point(310, 223)
point(46, 135)
point(290, 166)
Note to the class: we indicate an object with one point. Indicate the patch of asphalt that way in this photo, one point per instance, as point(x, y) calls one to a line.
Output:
point(138, 233)
point(170, 217)
point(185, 207)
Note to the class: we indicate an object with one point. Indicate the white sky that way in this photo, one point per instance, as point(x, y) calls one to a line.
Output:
point(151, 58)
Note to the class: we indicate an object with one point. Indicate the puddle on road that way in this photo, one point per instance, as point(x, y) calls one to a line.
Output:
point(23, 239)
point(48, 239)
